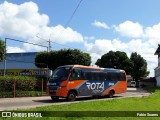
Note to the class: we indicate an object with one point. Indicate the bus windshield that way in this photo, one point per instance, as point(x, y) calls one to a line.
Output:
point(60, 74)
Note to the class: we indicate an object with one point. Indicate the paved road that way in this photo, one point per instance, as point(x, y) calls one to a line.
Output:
point(31, 102)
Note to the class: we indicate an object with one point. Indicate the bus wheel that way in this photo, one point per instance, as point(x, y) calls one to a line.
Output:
point(54, 98)
point(111, 93)
point(71, 96)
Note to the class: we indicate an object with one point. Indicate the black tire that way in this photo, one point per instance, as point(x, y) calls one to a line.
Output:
point(54, 98)
point(111, 94)
point(71, 96)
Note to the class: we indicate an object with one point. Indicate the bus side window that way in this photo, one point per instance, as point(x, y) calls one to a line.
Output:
point(94, 76)
point(101, 76)
point(76, 74)
point(107, 76)
point(87, 76)
point(118, 77)
point(114, 76)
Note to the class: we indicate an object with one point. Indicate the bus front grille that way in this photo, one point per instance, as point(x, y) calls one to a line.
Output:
point(53, 90)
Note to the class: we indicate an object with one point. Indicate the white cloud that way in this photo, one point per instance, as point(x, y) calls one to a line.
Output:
point(11, 49)
point(100, 24)
point(64, 35)
point(21, 20)
point(25, 21)
point(30, 47)
point(153, 32)
point(129, 29)
point(100, 47)
point(89, 38)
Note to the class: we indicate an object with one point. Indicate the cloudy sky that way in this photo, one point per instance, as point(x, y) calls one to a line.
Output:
point(96, 27)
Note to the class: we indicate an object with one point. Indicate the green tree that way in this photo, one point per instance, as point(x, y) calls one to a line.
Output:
point(116, 59)
point(139, 67)
point(41, 60)
point(2, 50)
point(53, 59)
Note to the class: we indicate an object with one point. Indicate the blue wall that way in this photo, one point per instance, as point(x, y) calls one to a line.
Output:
point(19, 61)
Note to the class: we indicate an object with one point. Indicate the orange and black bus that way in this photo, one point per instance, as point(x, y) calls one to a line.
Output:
point(71, 81)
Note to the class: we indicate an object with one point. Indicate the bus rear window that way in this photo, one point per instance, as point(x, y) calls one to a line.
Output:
point(122, 77)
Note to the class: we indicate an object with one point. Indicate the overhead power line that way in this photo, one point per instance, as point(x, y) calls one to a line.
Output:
point(69, 20)
point(67, 23)
point(63, 45)
point(49, 42)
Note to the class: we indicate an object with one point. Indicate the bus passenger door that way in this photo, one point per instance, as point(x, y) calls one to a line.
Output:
point(76, 81)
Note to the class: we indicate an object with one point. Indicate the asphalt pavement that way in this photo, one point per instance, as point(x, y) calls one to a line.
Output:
point(32, 102)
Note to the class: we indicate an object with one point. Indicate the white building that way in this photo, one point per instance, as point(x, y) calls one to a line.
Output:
point(157, 69)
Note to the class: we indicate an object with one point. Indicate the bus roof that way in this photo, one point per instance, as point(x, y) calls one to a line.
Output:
point(92, 67)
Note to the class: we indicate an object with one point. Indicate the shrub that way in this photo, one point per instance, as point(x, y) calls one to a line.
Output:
point(23, 83)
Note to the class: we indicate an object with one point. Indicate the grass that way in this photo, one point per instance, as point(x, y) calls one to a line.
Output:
point(148, 103)
point(150, 89)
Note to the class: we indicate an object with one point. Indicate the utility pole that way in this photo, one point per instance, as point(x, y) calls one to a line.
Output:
point(49, 42)
point(5, 57)
point(48, 50)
